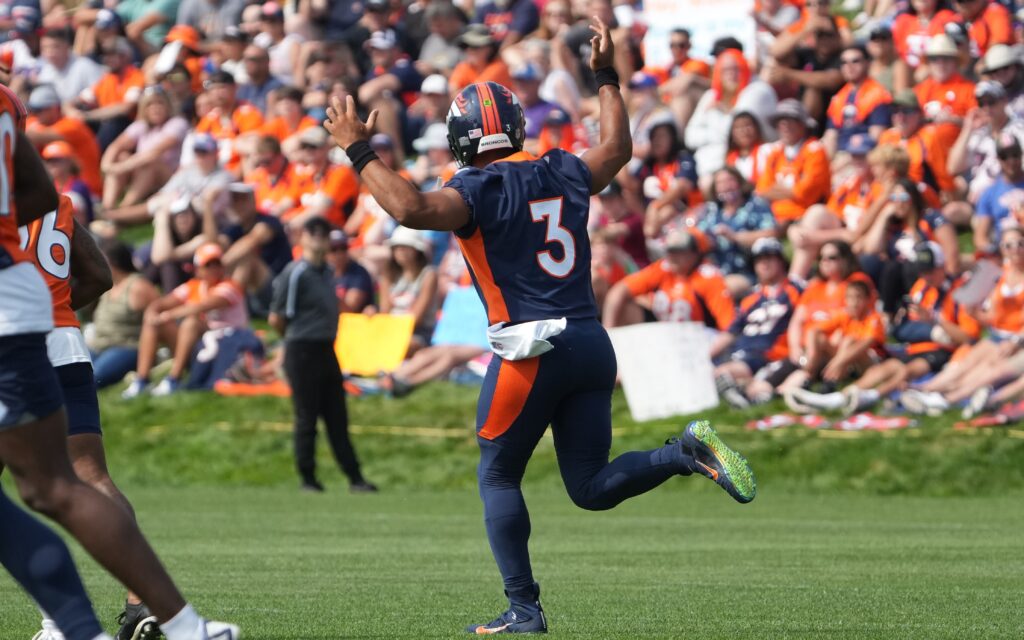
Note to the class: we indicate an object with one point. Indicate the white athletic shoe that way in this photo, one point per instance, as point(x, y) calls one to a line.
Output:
point(800, 400)
point(930, 403)
point(222, 631)
point(166, 387)
point(48, 634)
point(978, 402)
point(135, 389)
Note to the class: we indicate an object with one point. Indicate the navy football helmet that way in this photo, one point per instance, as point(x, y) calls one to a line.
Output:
point(484, 116)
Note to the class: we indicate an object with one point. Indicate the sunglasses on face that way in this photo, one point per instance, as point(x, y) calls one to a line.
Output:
point(679, 45)
point(881, 37)
point(988, 102)
point(1009, 155)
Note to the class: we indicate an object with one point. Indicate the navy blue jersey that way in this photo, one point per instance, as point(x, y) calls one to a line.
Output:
point(526, 243)
point(760, 326)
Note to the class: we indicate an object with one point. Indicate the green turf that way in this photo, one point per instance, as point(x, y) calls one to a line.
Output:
point(672, 564)
point(426, 441)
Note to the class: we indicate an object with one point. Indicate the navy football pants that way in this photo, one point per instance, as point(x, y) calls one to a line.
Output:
point(569, 388)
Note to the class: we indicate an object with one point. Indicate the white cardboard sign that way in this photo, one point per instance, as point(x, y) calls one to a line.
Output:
point(665, 368)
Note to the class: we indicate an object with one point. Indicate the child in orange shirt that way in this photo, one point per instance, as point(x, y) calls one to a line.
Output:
point(850, 341)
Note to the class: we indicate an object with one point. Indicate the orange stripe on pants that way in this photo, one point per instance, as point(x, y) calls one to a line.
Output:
point(515, 381)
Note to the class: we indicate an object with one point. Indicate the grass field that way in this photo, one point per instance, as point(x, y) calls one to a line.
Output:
point(671, 564)
point(909, 534)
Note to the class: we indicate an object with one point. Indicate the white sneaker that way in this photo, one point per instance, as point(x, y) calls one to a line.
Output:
point(135, 389)
point(800, 400)
point(48, 634)
point(222, 631)
point(852, 404)
point(166, 387)
point(931, 403)
point(978, 402)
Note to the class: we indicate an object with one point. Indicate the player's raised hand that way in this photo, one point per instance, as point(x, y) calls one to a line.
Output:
point(602, 51)
point(344, 124)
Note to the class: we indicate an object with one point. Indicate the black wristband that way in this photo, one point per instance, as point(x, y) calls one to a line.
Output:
point(360, 154)
point(606, 75)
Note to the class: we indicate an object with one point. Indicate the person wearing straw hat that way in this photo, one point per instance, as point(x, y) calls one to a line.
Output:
point(945, 96)
point(1005, 65)
point(796, 174)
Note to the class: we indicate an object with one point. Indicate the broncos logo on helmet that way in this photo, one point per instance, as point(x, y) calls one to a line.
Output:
point(483, 117)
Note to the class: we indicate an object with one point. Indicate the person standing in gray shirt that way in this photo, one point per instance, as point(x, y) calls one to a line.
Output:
point(304, 309)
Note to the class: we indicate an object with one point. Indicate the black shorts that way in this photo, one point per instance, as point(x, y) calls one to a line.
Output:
point(775, 373)
point(935, 359)
point(29, 389)
point(79, 386)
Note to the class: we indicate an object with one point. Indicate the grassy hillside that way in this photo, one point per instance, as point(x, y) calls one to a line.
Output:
point(426, 441)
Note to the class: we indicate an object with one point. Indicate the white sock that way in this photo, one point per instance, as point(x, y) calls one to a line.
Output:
point(185, 625)
point(103, 636)
point(832, 400)
point(49, 625)
point(869, 396)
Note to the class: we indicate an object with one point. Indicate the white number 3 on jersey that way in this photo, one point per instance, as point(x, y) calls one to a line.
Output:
point(551, 212)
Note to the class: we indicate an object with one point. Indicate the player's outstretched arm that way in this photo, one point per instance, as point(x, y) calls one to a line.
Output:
point(442, 210)
point(616, 145)
point(89, 269)
point(34, 193)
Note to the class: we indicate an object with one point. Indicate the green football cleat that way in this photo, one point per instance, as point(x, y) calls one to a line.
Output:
point(714, 460)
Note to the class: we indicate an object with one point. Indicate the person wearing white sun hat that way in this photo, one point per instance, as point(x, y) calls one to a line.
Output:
point(435, 165)
point(1005, 65)
point(409, 283)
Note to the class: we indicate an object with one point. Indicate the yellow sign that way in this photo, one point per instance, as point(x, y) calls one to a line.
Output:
point(368, 345)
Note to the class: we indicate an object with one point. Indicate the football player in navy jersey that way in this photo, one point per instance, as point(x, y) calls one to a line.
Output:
point(521, 222)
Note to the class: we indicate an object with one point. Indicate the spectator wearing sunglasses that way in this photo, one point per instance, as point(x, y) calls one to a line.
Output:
point(1002, 204)
point(974, 152)
point(887, 67)
point(862, 107)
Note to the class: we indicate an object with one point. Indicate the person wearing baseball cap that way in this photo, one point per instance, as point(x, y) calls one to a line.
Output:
point(481, 63)
point(862, 106)
point(683, 287)
point(244, 118)
point(326, 189)
point(304, 310)
point(974, 152)
point(1001, 204)
point(209, 301)
point(352, 282)
point(45, 104)
point(799, 161)
point(60, 160)
point(922, 142)
point(757, 337)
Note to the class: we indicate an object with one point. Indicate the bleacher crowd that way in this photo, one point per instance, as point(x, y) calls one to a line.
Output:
point(840, 201)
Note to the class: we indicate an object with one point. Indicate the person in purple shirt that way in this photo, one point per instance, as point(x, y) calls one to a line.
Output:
point(526, 81)
point(508, 20)
point(623, 225)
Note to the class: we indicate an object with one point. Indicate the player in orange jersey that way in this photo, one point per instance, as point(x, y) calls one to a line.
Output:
point(33, 427)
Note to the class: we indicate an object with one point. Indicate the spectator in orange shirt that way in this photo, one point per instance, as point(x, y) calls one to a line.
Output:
point(209, 301)
point(842, 217)
point(289, 119)
point(1003, 315)
point(926, 152)
point(229, 121)
point(845, 345)
point(747, 149)
point(144, 157)
point(483, 62)
point(913, 29)
point(49, 124)
point(324, 189)
point(681, 287)
point(990, 23)
point(945, 96)
point(109, 104)
point(274, 179)
point(934, 326)
point(796, 173)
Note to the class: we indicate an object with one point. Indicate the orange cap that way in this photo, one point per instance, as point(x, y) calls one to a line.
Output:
point(58, 149)
point(207, 253)
point(184, 34)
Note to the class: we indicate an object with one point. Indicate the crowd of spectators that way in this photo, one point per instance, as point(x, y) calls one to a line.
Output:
point(821, 199)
